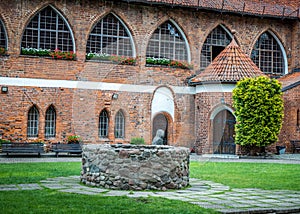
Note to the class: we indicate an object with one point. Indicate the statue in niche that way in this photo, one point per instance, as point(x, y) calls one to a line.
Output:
point(159, 138)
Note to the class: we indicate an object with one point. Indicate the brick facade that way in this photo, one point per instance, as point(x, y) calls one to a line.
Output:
point(78, 106)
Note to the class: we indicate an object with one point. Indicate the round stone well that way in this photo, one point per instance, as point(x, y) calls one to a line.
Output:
point(135, 167)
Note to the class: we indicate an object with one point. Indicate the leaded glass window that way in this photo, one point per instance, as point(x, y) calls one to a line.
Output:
point(214, 44)
point(48, 30)
point(50, 122)
point(33, 122)
point(103, 124)
point(267, 55)
point(119, 125)
point(110, 37)
point(3, 37)
point(167, 42)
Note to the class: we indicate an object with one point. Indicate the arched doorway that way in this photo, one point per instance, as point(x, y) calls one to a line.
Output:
point(160, 122)
point(223, 133)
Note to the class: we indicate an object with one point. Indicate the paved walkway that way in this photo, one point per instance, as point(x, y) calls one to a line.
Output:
point(206, 194)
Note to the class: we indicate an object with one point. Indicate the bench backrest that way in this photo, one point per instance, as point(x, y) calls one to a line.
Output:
point(75, 146)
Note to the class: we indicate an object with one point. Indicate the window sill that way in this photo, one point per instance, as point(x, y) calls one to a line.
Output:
point(108, 62)
point(46, 57)
point(166, 66)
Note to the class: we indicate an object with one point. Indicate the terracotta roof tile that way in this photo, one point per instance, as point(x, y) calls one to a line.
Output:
point(274, 8)
point(290, 79)
point(231, 65)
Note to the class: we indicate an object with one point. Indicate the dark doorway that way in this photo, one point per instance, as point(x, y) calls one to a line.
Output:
point(223, 133)
point(160, 122)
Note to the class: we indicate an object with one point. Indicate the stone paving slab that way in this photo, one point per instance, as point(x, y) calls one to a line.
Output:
point(214, 195)
point(29, 186)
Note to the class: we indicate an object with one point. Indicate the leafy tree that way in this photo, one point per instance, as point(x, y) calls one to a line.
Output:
point(259, 111)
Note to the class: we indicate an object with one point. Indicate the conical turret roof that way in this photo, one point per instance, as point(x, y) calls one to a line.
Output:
point(231, 65)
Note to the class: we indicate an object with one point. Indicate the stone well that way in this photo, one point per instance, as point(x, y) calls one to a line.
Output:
point(135, 167)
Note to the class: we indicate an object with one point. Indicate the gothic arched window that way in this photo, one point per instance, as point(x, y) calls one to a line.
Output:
point(48, 30)
point(3, 38)
point(50, 122)
point(168, 42)
point(33, 122)
point(103, 124)
point(120, 125)
point(268, 56)
point(214, 44)
point(110, 37)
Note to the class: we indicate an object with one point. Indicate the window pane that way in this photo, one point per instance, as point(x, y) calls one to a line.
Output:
point(119, 125)
point(109, 36)
point(2, 36)
point(33, 122)
point(167, 42)
point(216, 41)
point(47, 30)
point(268, 56)
point(103, 124)
point(50, 122)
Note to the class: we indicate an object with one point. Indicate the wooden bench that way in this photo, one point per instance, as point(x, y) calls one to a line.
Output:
point(72, 148)
point(295, 145)
point(23, 148)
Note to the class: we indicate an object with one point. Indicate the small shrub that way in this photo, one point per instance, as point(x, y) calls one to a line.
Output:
point(73, 139)
point(137, 141)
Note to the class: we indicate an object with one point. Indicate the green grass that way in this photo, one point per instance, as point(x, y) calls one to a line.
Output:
point(49, 201)
point(20, 173)
point(265, 176)
point(235, 175)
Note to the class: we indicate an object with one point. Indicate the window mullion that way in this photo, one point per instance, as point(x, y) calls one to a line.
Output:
point(56, 32)
point(39, 31)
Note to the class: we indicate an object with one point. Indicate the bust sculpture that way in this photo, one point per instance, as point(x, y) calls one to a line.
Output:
point(159, 138)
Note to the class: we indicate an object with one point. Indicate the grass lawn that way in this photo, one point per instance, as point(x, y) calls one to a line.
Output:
point(235, 175)
point(249, 175)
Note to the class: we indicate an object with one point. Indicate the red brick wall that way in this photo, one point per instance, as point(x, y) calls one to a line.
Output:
point(190, 124)
point(289, 130)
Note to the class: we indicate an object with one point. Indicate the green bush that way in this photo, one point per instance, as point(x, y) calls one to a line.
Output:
point(137, 141)
point(259, 111)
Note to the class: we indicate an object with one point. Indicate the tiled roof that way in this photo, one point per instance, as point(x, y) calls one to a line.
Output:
point(273, 8)
point(231, 65)
point(290, 80)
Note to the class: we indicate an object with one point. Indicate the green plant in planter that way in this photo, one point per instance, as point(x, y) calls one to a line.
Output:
point(4, 141)
point(168, 62)
point(137, 141)
point(73, 139)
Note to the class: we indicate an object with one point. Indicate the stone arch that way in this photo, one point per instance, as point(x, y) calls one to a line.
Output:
point(222, 133)
point(163, 110)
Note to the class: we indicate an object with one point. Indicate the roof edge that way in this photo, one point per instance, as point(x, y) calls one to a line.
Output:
point(293, 85)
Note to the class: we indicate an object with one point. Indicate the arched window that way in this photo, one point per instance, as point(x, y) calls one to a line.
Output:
point(110, 37)
point(50, 122)
point(119, 125)
point(33, 122)
point(103, 124)
point(3, 38)
point(48, 30)
point(214, 44)
point(168, 42)
point(267, 55)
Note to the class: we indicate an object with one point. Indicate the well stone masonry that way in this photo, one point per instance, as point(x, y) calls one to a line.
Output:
point(135, 167)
